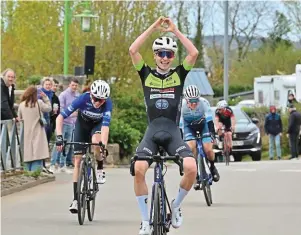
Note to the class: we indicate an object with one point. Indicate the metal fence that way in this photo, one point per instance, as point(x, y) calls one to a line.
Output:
point(12, 145)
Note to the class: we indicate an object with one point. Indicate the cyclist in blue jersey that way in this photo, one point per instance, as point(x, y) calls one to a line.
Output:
point(196, 115)
point(92, 124)
point(163, 88)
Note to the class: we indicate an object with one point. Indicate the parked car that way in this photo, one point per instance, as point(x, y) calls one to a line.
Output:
point(246, 137)
point(246, 103)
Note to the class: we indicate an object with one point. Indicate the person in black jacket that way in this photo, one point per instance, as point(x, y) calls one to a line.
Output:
point(8, 95)
point(55, 103)
point(294, 130)
point(273, 128)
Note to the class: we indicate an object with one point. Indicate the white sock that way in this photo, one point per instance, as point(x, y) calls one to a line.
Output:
point(180, 197)
point(142, 202)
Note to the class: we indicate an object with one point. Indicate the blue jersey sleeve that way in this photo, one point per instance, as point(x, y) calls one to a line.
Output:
point(107, 113)
point(76, 104)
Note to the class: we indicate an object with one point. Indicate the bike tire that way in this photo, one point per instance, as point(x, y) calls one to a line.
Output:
point(82, 193)
point(93, 192)
point(157, 224)
point(205, 183)
point(226, 151)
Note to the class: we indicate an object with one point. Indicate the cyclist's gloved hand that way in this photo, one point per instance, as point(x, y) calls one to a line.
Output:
point(59, 140)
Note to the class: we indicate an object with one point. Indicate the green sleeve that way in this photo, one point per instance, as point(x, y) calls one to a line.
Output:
point(187, 66)
point(139, 65)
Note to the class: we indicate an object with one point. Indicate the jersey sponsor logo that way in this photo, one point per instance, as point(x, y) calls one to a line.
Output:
point(70, 108)
point(152, 81)
point(180, 148)
point(162, 104)
point(168, 90)
point(172, 81)
point(157, 96)
point(147, 150)
point(108, 114)
point(92, 115)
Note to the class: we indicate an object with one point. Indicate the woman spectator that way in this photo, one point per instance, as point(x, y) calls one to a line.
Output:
point(35, 140)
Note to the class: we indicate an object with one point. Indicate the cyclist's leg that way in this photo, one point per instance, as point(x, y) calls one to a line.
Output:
point(189, 138)
point(146, 148)
point(208, 148)
point(96, 138)
point(177, 145)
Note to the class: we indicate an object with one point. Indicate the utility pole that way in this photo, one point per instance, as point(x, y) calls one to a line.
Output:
point(226, 53)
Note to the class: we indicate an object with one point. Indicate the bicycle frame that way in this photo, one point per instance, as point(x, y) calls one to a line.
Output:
point(201, 156)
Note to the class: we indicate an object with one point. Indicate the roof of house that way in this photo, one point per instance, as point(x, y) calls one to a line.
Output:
point(198, 77)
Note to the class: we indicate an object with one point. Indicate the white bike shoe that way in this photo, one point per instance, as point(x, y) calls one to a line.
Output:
point(144, 228)
point(176, 216)
point(73, 207)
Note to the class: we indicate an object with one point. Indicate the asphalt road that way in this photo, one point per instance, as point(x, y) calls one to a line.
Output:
point(254, 198)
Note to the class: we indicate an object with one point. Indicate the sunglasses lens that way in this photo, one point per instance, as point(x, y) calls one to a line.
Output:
point(96, 99)
point(168, 54)
point(193, 100)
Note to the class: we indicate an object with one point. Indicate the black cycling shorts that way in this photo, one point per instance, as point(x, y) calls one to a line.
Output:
point(163, 132)
point(83, 132)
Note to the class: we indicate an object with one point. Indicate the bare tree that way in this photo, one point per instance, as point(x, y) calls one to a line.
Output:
point(247, 21)
point(294, 14)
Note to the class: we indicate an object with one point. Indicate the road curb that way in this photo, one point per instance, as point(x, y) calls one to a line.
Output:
point(27, 186)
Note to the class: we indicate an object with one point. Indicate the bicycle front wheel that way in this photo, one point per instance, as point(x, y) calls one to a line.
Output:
point(93, 188)
point(226, 151)
point(158, 228)
point(82, 192)
point(205, 182)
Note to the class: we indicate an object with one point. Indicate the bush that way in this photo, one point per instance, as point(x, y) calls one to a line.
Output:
point(219, 90)
point(34, 80)
point(127, 137)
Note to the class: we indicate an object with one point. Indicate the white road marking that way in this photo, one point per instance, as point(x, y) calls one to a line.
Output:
point(245, 169)
point(290, 170)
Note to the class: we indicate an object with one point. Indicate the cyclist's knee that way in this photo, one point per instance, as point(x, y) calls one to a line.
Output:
point(77, 159)
point(190, 168)
point(140, 169)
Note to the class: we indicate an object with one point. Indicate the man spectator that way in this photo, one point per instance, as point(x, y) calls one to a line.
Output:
point(66, 98)
point(294, 123)
point(8, 95)
point(291, 100)
point(273, 128)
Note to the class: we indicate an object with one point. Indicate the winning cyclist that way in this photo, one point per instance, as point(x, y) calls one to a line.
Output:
point(163, 89)
point(93, 121)
point(224, 116)
point(196, 115)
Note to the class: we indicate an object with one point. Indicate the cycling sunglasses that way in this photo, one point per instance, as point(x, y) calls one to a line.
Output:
point(96, 99)
point(193, 100)
point(168, 54)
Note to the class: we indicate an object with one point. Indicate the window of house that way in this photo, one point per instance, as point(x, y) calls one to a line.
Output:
point(277, 94)
point(260, 97)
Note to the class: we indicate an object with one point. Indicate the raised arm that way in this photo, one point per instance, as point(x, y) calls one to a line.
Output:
point(134, 48)
point(191, 49)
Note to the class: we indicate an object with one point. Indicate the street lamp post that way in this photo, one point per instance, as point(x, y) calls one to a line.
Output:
point(226, 53)
point(85, 16)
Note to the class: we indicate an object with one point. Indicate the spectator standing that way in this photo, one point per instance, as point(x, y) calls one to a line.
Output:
point(55, 104)
point(294, 130)
point(273, 128)
point(35, 140)
point(8, 79)
point(66, 98)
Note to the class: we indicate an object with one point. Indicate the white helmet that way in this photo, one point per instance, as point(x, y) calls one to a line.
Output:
point(100, 89)
point(165, 43)
point(191, 92)
point(222, 104)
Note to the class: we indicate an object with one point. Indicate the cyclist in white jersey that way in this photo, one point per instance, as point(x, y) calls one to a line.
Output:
point(196, 115)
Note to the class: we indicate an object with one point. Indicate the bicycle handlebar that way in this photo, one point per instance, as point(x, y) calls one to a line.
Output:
point(158, 158)
point(86, 145)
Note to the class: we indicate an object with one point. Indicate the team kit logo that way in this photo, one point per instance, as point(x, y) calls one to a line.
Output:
point(167, 93)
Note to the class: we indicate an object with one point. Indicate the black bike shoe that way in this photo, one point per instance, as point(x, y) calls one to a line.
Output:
point(214, 173)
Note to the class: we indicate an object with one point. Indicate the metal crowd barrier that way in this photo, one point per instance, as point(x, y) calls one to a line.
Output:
point(12, 145)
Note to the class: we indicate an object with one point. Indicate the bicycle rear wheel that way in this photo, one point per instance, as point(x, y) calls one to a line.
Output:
point(82, 192)
point(93, 189)
point(158, 228)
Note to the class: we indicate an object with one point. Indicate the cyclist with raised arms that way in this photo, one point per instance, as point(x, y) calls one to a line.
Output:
point(196, 115)
point(92, 124)
point(163, 88)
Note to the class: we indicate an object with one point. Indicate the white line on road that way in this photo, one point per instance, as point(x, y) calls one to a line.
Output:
point(291, 170)
point(245, 169)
